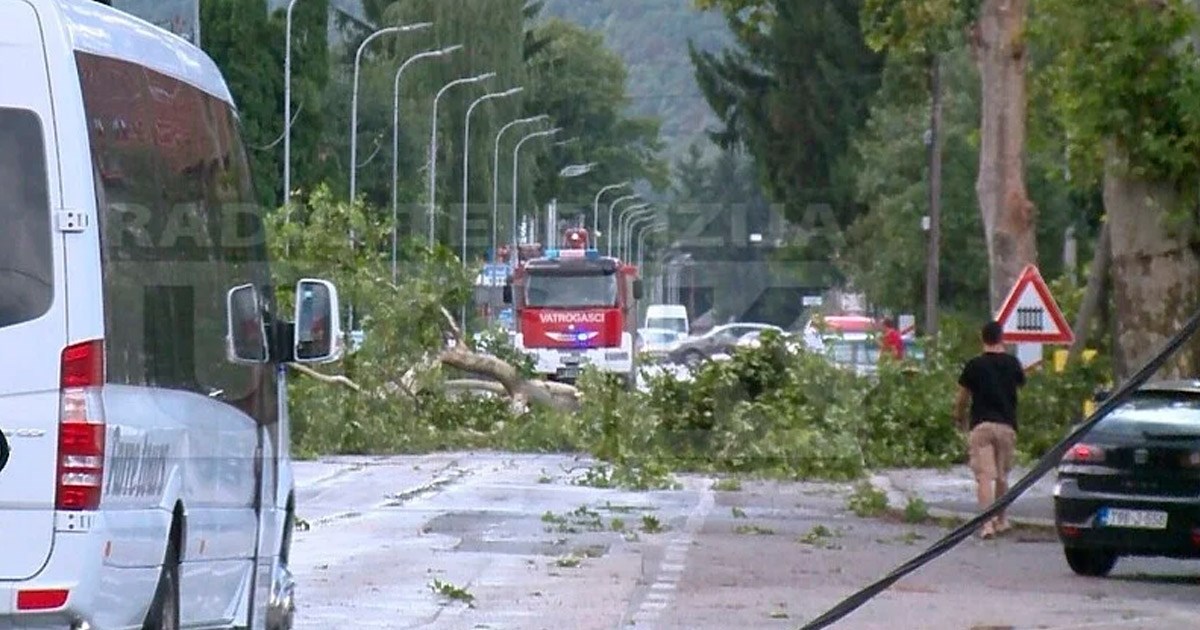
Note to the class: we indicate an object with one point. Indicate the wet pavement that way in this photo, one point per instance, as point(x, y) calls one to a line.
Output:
point(492, 540)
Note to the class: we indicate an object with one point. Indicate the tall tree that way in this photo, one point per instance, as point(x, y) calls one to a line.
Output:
point(919, 28)
point(248, 45)
point(1127, 86)
point(792, 92)
point(892, 179)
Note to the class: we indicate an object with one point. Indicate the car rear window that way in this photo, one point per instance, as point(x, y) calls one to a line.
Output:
point(26, 269)
point(1154, 414)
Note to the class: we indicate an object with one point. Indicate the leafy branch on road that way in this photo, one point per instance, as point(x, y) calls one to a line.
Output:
point(867, 501)
point(452, 592)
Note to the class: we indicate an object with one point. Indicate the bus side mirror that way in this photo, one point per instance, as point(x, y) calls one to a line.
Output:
point(507, 296)
point(318, 336)
point(245, 327)
point(637, 289)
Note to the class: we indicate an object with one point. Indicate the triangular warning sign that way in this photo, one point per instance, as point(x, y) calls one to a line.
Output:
point(1030, 314)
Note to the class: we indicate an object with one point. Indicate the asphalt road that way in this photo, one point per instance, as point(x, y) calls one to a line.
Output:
point(492, 540)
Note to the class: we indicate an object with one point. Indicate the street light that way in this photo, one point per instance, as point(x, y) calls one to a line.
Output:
point(627, 218)
point(596, 206)
point(496, 172)
point(287, 116)
point(516, 172)
point(577, 170)
point(608, 230)
point(354, 105)
point(396, 143)
point(641, 250)
point(433, 148)
point(467, 161)
point(629, 238)
point(568, 172)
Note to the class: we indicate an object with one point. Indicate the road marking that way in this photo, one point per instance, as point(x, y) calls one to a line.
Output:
point(660, 594)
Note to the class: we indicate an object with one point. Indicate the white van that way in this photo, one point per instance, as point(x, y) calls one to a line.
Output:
point(142, 389)
point(669, 316)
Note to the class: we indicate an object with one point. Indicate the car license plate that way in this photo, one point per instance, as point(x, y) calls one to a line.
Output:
point(1137, 519)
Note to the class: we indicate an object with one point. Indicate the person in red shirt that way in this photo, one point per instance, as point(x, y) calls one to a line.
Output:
point(892, 343)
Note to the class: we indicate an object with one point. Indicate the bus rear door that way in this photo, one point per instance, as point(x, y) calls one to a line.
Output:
point(33, 330)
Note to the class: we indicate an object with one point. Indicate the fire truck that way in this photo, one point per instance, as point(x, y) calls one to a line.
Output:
point(574, 308)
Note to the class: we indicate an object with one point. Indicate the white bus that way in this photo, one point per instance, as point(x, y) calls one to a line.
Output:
point(142, 382)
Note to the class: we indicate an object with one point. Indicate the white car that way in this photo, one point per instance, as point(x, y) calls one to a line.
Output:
point(811, 341)
point(149, 481)
point(657, 342)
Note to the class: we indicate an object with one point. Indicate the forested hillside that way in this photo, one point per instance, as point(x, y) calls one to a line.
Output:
point(652, 37)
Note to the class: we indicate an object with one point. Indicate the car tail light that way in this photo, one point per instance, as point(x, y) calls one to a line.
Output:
point(1070, 531)
point(81, 427)
point(1084, 454)
point(42, 599)
point(1196, 537)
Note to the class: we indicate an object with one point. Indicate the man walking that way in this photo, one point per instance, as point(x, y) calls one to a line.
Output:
point(990, 381)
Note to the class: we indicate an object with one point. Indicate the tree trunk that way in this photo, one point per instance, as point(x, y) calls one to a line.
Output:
point(1097, 278)
point(1155, 272)
point(1009, 217)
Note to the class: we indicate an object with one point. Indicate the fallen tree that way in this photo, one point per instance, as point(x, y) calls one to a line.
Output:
point(504, 378)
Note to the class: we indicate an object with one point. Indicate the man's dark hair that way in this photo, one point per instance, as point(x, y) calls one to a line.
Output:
point(888, 322)
point(992, 333)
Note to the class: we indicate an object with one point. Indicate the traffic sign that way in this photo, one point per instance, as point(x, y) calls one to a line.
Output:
point(494, 275)
point(1030, 314)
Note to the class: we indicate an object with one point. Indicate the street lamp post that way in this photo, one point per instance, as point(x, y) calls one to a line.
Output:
point(596, 206)
point(619, 231)
point(496, 173)
point(354, 97)
point(641, 242)
point(608, 229)
point(632, 214)
point(516, 172)
point(467, 161)
point(287, 116)
point(433, 148)
point(396, 144)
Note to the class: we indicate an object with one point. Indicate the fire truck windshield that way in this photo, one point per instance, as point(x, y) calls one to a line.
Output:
point(575, 290)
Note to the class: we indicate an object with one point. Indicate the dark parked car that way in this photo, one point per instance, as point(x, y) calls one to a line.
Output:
point(720, 340)
point(1131, 487)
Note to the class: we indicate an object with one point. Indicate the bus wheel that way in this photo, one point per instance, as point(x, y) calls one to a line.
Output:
point(164, 612)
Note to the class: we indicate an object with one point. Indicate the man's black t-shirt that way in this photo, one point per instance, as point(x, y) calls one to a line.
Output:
point(993, 379)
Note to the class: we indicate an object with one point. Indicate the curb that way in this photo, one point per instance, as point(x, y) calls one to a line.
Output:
point(898, 498)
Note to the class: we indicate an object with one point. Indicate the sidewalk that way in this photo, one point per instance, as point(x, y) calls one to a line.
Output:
point(951, 493)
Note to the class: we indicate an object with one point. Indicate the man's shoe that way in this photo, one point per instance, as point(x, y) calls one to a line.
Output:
point(1002, 525)
point(988, 531)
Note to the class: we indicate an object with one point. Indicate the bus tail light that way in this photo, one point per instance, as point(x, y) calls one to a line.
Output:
point(81, 427)
point(42, 599)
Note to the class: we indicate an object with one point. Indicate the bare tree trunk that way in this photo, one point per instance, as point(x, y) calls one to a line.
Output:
point(1009, 217)
point(1156, 272)
point(1097, 278)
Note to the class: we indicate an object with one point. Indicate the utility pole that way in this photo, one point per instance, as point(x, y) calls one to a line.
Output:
point(933, 255)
